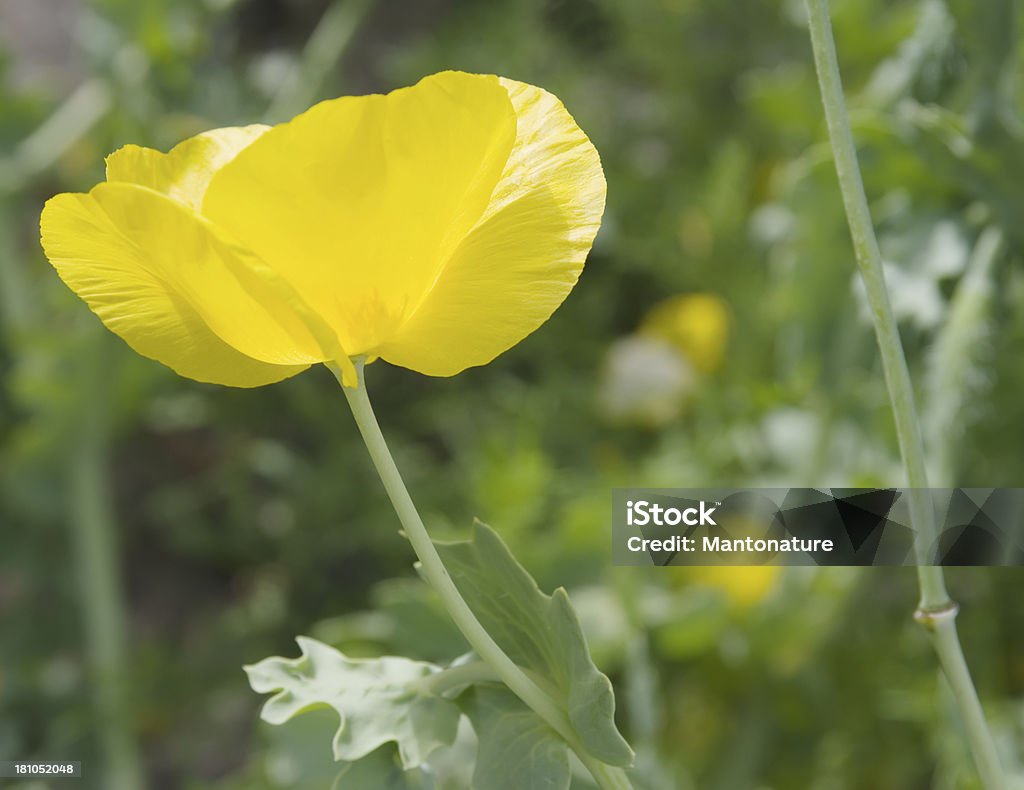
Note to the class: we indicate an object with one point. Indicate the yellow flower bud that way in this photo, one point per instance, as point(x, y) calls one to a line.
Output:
point(697, 325)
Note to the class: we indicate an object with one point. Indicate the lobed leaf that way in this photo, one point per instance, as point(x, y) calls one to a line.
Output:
point(539, 632)
point(378, 700)
point(379, 771)
point(516, 749)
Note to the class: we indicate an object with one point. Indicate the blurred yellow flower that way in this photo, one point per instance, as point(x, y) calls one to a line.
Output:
point(649, 376)
point(433, 227)
point(744, 586)
point(697, 325)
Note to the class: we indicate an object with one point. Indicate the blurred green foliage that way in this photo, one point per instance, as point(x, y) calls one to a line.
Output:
point(246, 517)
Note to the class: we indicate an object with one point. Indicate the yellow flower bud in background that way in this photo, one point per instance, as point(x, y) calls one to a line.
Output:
point(743, 586)
point(649, 376)
point(433, 227)
point(697, 325)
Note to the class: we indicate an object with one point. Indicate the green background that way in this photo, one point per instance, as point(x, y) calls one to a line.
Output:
point(242, 518)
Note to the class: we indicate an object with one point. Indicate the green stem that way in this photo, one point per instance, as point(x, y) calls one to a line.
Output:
point(455, 677)
point(476, 672)
point(16, 301)
point(536, 698)
point(937, 612)
point(95, 543)
point(869, 261)
point(942, 628)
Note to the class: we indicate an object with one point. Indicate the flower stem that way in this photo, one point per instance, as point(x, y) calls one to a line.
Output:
point(513, 676)
point(936, 611)
point(458, 676)
point(869, 261)
point(96, 555)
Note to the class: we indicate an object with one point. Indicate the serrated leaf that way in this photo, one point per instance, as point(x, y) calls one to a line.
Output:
point(539, 632)
point(378, 700)
point(517, 750)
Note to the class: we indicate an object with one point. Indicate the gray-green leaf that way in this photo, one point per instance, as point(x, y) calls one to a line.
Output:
point(378, 770)
point(378, 700)
point(538, 632)
point(517, 750)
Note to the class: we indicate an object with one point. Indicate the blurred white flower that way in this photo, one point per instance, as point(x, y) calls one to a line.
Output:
point(645, 380)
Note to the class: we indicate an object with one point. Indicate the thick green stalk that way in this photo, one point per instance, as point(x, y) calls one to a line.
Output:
point(489, 651)
point(869, 261)
point(942, 628)
point(91, 517)
point(96, 554)
point(936, 612)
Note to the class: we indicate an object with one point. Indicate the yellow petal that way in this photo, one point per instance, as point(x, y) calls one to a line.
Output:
point(359, 201)
point(164, 280)
point(183, 173)
point(525, 253)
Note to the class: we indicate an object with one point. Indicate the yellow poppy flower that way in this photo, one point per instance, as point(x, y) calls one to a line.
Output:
point(433, 227)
